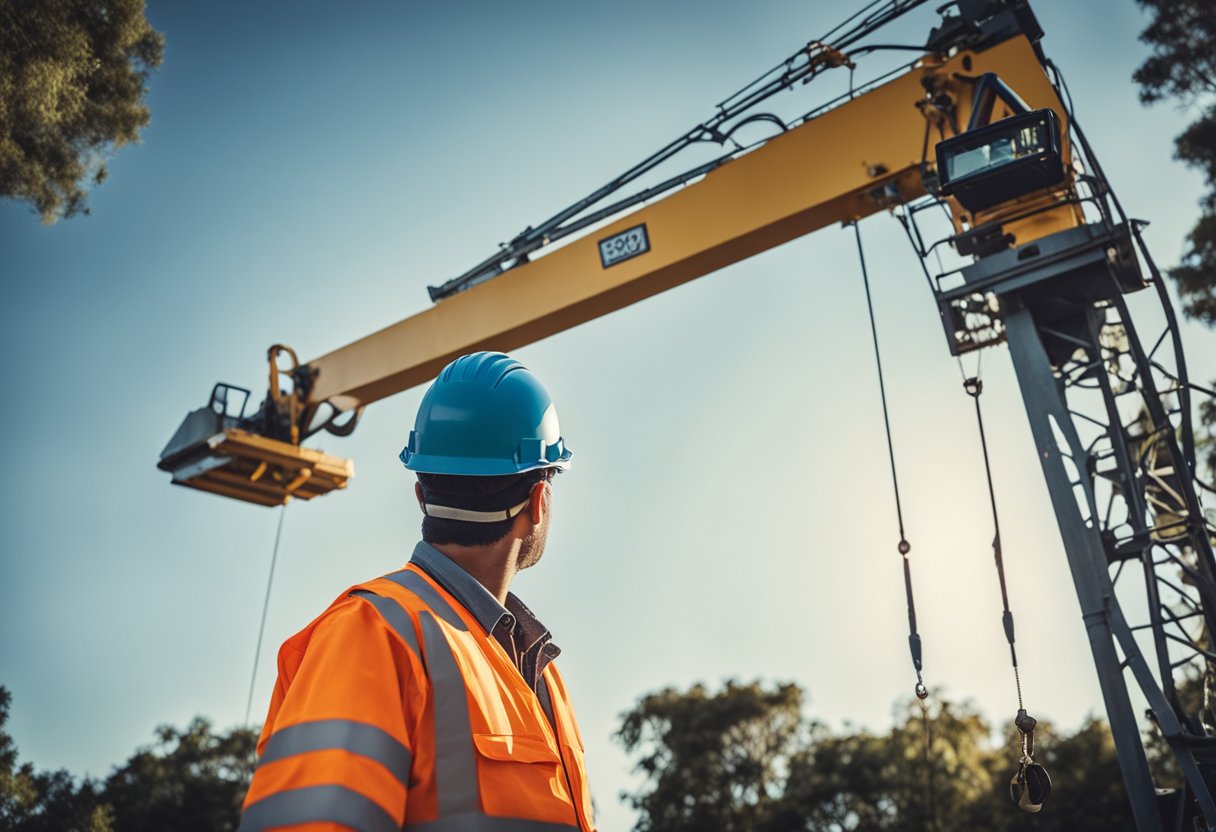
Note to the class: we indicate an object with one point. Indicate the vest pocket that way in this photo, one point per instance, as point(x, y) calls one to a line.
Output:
point(521, 776)
point(517, 748)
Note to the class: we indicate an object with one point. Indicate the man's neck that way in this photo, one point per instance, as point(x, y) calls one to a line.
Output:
point(493, 566)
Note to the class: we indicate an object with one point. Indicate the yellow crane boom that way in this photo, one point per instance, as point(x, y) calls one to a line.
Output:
point(865, 155)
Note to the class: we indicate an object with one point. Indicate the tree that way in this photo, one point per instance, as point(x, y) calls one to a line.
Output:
point(935, 771)
point(1182, 66)
point(73, 76)
point(188, 780)
point(746, 758)
point(47, 801)
point(191, 780)
point(713, 761)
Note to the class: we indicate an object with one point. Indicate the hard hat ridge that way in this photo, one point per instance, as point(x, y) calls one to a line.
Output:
point(485, 415)
point(478, 367)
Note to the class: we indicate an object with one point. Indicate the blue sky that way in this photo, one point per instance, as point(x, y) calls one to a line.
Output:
point(309, 169)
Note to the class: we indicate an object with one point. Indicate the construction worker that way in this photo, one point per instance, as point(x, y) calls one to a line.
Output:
point(428, 699)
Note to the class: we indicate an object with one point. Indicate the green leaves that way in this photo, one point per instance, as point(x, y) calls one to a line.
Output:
point(1196, 274)
point(745, 758)
point(190, 780)
point(1182, 34)
point(44, 801)
point(73, 76)
point(715, 761)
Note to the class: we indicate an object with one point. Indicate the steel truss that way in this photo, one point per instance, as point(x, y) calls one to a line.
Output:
point(1111, 421)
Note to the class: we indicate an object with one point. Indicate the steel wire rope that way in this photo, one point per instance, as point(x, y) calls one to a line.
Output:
point(974, 385)
point(851, 18)
point(904, 547)
point(894, 9)
point(1030, 775)
point(738, 103)
point(257, 651)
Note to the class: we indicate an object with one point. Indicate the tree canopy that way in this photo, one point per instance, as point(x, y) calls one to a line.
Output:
point(73, 76)
point(714, 761)
point(745, 758)
point(1182, 68)
point(190, 780)
point(44, 801)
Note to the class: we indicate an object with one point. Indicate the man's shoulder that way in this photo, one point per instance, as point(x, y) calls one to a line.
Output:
point(386, 607)
point(342, 615)
point(350, 612)
point(350, 642)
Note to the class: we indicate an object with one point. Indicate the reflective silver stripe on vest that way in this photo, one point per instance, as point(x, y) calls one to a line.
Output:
point(455, 760)
point(394, 614)
point(340, 734)
point(418, 585)
point(477, 822)
point(317, 804)
point(456, 781)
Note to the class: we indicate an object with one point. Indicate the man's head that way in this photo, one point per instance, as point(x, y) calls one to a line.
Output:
point(485, 446)
point(526, 508)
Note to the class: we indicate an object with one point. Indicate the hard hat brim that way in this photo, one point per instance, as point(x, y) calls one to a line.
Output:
point(480, 467)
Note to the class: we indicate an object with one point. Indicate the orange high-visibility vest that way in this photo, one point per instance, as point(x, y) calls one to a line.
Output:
point(395, 710)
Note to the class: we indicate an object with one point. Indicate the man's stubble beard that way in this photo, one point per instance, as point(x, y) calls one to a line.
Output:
point(533, 546)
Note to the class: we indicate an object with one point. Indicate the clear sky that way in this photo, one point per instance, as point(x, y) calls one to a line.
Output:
point(309, 169)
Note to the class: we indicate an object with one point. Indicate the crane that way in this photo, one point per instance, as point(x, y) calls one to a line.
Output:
point(974, 139)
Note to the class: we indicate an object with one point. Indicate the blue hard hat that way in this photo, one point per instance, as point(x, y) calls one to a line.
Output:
point(485, 415)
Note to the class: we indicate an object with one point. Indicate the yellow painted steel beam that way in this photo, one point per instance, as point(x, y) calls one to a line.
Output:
point(838, 167)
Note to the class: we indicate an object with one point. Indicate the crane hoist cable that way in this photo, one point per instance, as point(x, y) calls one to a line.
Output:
point(257, 651)
point(903, 547)
point(1030, 785)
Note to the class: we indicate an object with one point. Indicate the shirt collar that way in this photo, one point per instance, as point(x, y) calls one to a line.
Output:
point(477, 599)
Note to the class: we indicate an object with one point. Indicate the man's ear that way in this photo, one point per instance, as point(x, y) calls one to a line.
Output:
point(538, 505)
point(418, 494)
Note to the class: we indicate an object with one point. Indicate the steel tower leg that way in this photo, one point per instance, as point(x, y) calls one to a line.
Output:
point(1050, 418)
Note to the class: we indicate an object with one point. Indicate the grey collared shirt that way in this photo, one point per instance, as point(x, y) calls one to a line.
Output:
point(527, 641)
